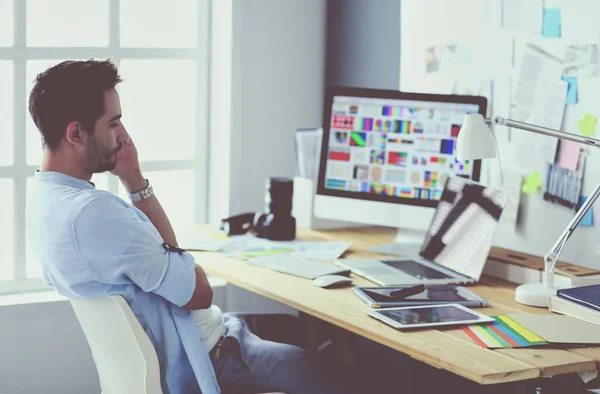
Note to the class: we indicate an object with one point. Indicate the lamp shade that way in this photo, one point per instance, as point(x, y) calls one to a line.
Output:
point(475, 139)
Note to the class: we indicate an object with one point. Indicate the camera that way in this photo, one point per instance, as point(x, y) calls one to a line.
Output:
point(276, 222)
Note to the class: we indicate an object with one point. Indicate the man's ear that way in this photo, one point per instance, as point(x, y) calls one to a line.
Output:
point(74, 134)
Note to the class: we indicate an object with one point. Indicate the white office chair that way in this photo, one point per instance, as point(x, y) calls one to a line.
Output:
point(125, 358)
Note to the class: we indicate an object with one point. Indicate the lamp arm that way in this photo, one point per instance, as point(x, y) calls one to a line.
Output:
point(498, 120)
point(552, 256)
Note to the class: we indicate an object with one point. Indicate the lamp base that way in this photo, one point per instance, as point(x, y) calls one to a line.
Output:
point(534, 294)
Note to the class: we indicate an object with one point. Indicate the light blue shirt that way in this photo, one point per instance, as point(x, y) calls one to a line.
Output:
point(93, 244)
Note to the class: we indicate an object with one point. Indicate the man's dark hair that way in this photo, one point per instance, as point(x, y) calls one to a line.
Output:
point(70, 91)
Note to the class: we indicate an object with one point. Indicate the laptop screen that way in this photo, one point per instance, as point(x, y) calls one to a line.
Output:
point(463, 226)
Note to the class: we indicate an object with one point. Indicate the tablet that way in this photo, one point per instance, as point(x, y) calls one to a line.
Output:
point(429, 316)
point(383, 297)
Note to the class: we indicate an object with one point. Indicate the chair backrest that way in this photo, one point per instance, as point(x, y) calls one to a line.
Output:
point(125, 358)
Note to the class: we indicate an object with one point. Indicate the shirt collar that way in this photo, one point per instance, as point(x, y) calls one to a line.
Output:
point(63, 179)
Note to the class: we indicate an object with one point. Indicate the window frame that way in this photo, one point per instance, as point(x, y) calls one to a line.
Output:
point(19, 171)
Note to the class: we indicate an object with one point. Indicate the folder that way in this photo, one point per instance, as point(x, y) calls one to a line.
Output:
point(559, 329)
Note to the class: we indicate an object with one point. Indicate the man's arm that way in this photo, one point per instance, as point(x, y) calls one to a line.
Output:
point(150, 206)
point(203, 293)
point(117, 247)
point(130, 175)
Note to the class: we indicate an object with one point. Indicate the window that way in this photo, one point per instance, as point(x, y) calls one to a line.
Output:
point(162, 55)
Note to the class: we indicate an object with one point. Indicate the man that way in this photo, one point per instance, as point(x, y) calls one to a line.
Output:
point(93, 244)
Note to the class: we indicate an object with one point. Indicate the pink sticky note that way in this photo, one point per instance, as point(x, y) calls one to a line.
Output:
point(568, 156)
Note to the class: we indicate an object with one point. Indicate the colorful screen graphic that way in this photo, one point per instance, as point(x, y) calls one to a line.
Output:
point(391, 147)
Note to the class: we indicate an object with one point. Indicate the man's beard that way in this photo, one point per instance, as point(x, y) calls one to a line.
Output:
point(101, 158)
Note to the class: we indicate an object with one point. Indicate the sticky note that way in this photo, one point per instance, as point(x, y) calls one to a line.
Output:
point(532, 183)
point(568, 156)
point(551, 23)
point(587, 125)
point(571, 90)
point(588, 219)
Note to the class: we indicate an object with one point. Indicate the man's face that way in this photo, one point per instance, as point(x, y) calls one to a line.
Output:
point(103, 144)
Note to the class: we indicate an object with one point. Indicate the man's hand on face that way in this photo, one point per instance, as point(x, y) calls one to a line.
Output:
point(128, 167)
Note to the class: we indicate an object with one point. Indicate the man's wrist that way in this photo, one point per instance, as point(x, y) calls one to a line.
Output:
point(134, 182)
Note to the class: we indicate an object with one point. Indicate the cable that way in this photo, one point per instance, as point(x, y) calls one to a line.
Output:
point(498, 155)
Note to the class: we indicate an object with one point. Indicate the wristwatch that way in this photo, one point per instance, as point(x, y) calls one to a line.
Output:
point(143, 194)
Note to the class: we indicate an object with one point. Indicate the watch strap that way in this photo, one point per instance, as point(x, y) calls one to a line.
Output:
point(143, 194)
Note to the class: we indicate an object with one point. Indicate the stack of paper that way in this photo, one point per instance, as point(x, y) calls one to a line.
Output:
point(522, 330)
point(249, 246)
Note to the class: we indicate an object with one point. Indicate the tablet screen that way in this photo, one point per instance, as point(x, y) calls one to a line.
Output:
point(434, 293)
point(424, 315)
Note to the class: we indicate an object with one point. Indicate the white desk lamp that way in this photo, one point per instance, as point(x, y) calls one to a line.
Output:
point(475, 141)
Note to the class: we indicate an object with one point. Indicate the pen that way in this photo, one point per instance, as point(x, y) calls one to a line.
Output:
point(407, 292)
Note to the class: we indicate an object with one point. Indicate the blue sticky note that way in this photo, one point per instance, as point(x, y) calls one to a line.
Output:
point(551, 23)
point(571, 90)
point(588, 219)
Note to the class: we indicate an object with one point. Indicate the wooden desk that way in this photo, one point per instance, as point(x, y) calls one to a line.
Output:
point(448, 349)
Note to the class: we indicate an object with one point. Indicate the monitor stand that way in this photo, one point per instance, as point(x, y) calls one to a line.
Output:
point(407, 243)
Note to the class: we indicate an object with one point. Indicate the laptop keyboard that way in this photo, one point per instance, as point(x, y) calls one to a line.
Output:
point(416, 270)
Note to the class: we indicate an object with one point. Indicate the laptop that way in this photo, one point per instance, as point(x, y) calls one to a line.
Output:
point(456, 245)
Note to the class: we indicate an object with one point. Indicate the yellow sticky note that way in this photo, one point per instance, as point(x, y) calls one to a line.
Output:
point(532, 183)
point(587, 125)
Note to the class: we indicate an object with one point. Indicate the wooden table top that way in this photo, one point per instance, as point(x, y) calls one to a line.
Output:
point(449, 349)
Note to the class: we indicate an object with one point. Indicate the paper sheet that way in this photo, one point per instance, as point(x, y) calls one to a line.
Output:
point(532, 183)
point(249, 246)
point(492, 15)
point(532, 15)
point(513, 181)
point(205, 243)
point(551, 23)
point(308, 152)
point(537, 67)
point(568, 156)
point(525, 16)
point(548, 111)
point(511, 14)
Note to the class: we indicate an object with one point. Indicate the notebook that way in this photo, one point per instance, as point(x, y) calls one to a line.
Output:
point(588, 296)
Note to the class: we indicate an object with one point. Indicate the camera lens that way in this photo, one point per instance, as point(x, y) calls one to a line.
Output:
point(278, 196)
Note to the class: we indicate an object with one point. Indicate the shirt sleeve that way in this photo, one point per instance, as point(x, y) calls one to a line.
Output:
point(117, 247)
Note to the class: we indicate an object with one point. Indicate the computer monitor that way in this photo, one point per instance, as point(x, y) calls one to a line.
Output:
point(386, 156)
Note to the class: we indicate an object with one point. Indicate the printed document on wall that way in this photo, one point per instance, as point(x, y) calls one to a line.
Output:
point(548, 111)
point(537, 68)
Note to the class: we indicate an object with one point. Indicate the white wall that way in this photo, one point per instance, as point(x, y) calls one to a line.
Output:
point(541, 222)
point(43, 350)
point(274, 79)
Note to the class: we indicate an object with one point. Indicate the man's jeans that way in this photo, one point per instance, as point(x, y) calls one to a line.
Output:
point(244, 363)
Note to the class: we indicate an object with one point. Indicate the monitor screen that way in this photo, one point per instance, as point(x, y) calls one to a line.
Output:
point(392, 146)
